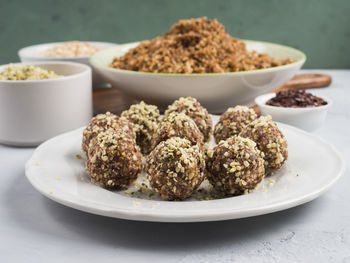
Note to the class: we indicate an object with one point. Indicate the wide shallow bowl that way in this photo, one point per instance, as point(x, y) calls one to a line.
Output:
point(32, 111)
point(309, 119)
point(32, 54)
point(313, 166)
point(216, 91)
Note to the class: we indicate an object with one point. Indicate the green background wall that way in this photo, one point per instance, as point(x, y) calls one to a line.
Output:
point(319, 28)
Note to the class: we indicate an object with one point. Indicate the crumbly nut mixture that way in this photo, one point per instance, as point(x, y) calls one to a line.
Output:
point(27, 72)
point(103, 122)
point(235, 166)
point(178, 125)
point(233, 121)
point(175, 168)
point(70, 49)
point(114, 160)
point(269, 140)
point(192, 108)
point(145, 119)
point(195, 46)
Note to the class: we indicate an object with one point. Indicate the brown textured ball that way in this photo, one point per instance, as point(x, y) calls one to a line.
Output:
point(114, 160)
point(192, 108)
point(103, 122)
point(175, 168)
point(233, 121)
point(270, 141)
point(235, 166)
point(145, 119)
point(178, 125)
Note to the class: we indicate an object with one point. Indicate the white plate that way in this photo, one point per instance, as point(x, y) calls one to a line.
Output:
point(55, 172)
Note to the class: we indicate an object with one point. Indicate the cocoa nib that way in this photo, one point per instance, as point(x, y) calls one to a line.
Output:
point(296, 99)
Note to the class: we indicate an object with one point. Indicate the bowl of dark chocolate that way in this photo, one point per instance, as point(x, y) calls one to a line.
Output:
point(295, 107)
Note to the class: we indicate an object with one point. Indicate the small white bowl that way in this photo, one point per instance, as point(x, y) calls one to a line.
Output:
point(215, 91)
point(309, 119)
point(32, 54)
point(32, 111)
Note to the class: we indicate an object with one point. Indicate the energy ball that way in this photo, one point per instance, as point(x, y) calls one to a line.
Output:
point(145, 119)
point(103, 122)
point(235, 166)
point(114, 160)
point(178, 125)
point(270, 141)
point(192, 108)
point(175, 168)
point(233, 121)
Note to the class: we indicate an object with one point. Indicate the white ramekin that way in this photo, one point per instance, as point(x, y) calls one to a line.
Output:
point(309, 119)
point(32, 111)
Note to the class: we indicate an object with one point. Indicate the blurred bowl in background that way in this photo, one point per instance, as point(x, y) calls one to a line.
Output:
point(215, 91)
point(32, 54)
point(308, 119)
point(32, 111)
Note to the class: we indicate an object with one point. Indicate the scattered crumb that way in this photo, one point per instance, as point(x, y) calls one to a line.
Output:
point(297, 174)
point(58, 178)
point(271, 182)
point(155, 206)
point(263, 189)
point(78, 156)
point(50, 192)
point(135, 203)
point(128, 192)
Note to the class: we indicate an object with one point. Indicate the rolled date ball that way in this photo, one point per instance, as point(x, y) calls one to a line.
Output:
point(145, 119)
point(175, 168)
point(114, 160)
point(178, 125)
point(270, 141)
point(233, 121)
point(234, 166)
point(192, 108)
point(103, 122)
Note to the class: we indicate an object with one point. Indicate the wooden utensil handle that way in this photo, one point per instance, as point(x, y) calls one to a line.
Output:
point(306, 81)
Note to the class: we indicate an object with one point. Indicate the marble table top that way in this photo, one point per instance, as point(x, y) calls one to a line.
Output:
point(36, 229)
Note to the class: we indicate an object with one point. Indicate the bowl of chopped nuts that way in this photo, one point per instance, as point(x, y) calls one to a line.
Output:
point(74, 51)
point(42, 99)
point(198, 58)
point(295, 107)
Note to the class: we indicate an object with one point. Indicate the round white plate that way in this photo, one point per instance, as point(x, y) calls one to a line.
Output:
point(312, 168)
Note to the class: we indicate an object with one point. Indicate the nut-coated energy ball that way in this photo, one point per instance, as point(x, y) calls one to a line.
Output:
point(270, 141)
point(233, 121)
point(175, 168)
point(192, 108)
point(103, 122)
point(178, 125)
point(114, 160)
point(145, 119)
point(235, 166)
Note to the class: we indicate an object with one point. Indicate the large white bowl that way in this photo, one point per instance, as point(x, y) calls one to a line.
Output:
point(32, 54)
point(308, 119)
point(32, 111)
point(215, 91)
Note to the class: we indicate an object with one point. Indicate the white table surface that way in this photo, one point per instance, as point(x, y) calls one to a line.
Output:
point(36, 229)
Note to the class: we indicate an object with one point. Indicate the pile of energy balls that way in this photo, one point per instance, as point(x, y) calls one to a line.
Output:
point(177, 152)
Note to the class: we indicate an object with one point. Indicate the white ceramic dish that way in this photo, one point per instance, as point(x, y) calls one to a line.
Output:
point(216, 92)
point(32, 111)
point(55, 172)
point(32, 54)
point(309, 119)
